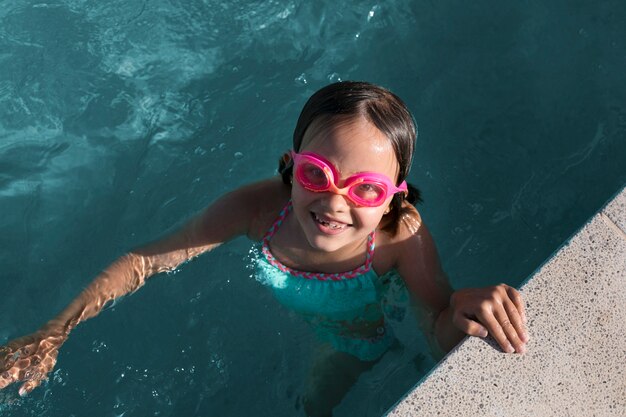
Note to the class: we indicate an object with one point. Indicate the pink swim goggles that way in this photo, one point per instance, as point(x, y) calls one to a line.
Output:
point(368, 189)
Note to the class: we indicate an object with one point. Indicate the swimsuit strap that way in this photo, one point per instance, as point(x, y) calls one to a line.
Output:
point(322, 276)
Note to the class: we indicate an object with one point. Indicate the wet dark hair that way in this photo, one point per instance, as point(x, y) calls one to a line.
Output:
point(347, 100)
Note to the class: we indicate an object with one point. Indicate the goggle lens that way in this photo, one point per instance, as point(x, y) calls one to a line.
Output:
point(313, 176)
point(366, 189)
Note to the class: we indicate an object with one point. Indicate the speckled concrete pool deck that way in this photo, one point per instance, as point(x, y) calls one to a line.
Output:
point(576, 359)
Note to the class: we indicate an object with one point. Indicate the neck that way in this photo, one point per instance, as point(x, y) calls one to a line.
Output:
point(290, 246)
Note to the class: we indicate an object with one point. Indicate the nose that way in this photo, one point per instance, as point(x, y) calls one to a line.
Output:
point(336, 202)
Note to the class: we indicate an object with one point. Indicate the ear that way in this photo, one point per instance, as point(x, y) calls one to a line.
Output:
point(286, 159)
point(285, 164)
point(387, 210)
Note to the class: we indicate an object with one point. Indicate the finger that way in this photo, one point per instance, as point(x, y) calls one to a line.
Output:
point(516, 319)
point(28, 386)
point(6, 379)
point(508, 335)
point(470, 327)
point(488, 319)
point(517, 299)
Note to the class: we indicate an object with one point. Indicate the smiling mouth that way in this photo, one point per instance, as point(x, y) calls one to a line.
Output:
point(330, 224)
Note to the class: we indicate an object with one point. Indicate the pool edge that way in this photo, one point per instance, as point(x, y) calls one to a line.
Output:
point(567, 327)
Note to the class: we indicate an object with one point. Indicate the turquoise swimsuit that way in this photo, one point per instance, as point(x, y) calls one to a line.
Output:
point(345, 309)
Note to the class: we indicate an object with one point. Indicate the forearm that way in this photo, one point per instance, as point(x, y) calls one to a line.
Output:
point(125, 275)
point(129, 272)
point(32, 357)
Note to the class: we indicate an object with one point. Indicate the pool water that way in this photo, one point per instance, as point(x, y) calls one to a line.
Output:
point(121, 119)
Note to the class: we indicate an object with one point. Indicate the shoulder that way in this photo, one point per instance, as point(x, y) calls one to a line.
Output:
point(412, 252)
point(265, 191)
point(410, 237)
point(264, 200)
point(245, 210)
point(236, 213)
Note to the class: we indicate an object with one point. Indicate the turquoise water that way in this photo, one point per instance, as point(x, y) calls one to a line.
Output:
point(120, 119)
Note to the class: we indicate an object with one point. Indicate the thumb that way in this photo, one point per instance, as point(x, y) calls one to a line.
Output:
point(471, 327)
point(28, 386)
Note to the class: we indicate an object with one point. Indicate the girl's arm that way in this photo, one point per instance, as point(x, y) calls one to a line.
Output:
point(498, 310)
point(226, 218)
point(30, 358)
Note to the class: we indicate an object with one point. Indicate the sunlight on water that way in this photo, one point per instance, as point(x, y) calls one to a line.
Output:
point(119, 120)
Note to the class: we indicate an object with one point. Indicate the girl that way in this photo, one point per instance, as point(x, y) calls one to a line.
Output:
point(335, 227)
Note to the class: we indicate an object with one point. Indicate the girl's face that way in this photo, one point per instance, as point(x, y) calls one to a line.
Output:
point(330, 221)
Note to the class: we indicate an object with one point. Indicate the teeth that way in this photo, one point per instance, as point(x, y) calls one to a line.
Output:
point(331, 225)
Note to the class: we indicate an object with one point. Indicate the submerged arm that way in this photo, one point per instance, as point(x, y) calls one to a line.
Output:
point(31, 357)
point(221, 221)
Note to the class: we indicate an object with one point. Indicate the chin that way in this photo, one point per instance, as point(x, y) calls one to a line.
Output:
point(329, 242)
point(326, 244)
point(323, 238)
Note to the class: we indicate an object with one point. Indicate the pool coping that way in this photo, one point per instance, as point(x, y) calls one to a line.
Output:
point(576, 359)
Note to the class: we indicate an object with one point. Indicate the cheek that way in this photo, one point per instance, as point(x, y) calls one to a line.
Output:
point(300, 196)
point(301, 200)
point(370, 217)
